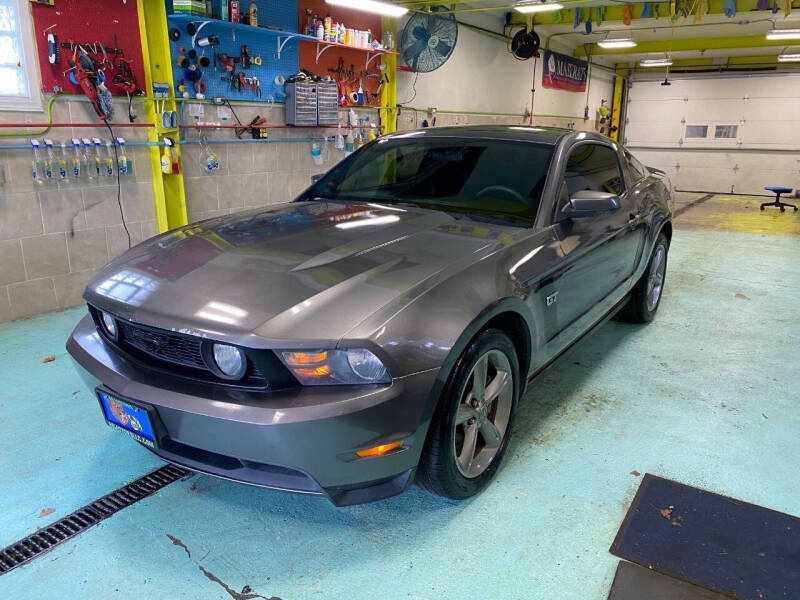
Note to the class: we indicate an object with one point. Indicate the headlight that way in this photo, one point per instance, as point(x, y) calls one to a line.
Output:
point(230, 361)
point(109, 324)
point(336, 367)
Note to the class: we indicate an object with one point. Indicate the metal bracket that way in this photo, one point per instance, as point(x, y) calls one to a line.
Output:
point(322, 51)
point(375, 54)
point(282, 41)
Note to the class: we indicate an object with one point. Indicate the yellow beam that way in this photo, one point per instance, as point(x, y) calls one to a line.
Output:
point(616, 109)
point(686, 44)
point(388, 110)
point(168, 191)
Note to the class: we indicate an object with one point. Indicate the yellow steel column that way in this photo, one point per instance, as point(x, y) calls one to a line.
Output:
point(168, 190)
point(616, 105)
point(388, 110)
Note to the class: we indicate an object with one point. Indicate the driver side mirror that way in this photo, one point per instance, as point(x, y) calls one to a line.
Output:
point(590, 203)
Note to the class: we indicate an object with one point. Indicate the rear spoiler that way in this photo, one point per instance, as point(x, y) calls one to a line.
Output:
point(656, 171)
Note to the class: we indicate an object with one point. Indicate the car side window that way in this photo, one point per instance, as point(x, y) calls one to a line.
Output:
point(636, 166)
point(593, 167)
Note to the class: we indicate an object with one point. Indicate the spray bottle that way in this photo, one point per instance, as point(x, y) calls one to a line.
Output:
point(316, 153)
point(62, 162)
point(349, 145)
point(339, 137)
point(76, 160)
point(109, 160)
point(48, 162)
point(122, 162)
point(96, 157)
point(37, 176)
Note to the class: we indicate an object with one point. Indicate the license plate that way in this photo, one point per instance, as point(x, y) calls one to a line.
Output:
point(129, 418)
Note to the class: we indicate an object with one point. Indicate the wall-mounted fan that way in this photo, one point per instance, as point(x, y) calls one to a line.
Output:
point(428, 39)
point(525, 44)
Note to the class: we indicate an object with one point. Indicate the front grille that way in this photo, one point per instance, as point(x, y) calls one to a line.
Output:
point(176, 354)
point(166, 347)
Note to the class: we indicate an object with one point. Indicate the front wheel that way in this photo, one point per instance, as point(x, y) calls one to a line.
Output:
point(646, 294)
point(472, 424)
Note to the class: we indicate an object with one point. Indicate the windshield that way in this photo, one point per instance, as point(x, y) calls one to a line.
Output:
point(490, 179)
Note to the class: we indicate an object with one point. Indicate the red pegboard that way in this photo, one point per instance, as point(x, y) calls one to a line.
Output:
point(330, 59)
point(87, 21)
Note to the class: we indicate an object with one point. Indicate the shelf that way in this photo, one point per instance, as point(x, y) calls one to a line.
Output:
point(322, 46)
point(282, 37)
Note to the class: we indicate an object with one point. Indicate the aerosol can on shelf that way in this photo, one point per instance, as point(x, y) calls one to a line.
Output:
point(253, 13)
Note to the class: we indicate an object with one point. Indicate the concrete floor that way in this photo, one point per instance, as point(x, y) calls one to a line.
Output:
point(706, 394)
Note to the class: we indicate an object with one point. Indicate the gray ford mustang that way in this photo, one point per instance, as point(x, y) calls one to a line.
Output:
point(381, 328)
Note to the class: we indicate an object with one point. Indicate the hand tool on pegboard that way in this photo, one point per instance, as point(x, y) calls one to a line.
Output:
point(82, 74)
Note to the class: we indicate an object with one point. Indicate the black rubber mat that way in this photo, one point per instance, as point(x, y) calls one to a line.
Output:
point(632, 582)
point(713, 541)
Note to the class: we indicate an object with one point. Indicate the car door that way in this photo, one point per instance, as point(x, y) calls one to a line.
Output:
point(599, 252)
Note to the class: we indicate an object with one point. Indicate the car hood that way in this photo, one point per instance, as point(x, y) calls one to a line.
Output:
point(301, 271)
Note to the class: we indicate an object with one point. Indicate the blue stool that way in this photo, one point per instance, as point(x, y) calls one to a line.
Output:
point(778, 191)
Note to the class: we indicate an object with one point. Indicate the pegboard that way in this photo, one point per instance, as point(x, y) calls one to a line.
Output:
point(352, 19)
point(112, 22)
point(277, 13)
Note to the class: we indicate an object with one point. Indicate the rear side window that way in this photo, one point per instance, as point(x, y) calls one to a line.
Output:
point(636, 166)
point(593, 167)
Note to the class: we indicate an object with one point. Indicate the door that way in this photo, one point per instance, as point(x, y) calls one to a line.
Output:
point(600, 252)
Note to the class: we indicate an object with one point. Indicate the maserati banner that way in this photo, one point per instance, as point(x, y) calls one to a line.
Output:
point(564, 72)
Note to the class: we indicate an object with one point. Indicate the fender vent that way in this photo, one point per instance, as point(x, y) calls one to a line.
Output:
point(47, 538)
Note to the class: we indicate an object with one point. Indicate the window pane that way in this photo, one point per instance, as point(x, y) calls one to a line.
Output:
point(593, 167)
point(12, 82)
point(486, 178)
point(726, 131)
point(696, 131)
point(9, 50)
point(8, 21)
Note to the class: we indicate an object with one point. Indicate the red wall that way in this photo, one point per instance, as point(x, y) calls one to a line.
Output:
point(330, 59)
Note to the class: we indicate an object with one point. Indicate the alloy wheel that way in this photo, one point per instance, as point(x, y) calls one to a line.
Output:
point(483, 413)
point(655, 283)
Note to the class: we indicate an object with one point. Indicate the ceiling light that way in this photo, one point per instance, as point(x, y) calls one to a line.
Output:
point(783, 34)
point(535, 7)
point(656, 62)
point(789, 57)
point(381, 8)
point(617, 43)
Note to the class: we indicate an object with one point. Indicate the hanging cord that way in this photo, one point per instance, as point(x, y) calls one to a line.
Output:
point(414, 89)
point(48, 110)
point(119, 183)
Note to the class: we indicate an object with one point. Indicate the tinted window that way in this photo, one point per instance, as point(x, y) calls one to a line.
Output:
point(593, 167)
point(636, 167)
point(485, 178)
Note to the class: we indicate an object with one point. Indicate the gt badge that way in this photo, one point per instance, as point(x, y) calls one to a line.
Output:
point(551, 299)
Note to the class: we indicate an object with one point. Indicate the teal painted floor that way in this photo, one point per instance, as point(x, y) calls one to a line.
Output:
point(707, 394)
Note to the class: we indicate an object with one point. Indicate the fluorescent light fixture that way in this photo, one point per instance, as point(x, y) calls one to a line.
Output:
point(367, 222)
point(536, 7)
point(789, 57)
point(783, 34)
point(617, 43)
point(381, 8)
point(656, 62)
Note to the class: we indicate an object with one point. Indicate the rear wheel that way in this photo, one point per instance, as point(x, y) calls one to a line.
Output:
point(646, 294)
point(472, 424)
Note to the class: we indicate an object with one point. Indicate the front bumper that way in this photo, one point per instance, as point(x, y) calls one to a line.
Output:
point(300, 440)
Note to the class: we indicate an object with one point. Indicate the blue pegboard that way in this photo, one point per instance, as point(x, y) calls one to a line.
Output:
point(261, 42)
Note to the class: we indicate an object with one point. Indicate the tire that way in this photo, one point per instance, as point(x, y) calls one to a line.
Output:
point(445, 468)
point(640, 307)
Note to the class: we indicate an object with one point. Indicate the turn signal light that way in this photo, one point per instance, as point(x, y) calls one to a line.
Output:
point(321, 371)
point(305, 358)
point(379, 450)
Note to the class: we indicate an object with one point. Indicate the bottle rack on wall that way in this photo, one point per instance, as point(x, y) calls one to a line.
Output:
point(372, 53)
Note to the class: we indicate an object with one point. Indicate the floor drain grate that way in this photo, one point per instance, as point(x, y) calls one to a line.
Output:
point(47, 538)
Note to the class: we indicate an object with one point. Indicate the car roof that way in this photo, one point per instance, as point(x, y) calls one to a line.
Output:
point(522, 133)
